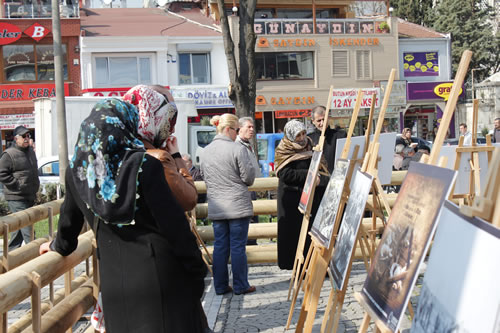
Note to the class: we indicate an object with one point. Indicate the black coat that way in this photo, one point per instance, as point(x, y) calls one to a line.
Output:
point(330, 145)
point(152, 273)
point(291, 181)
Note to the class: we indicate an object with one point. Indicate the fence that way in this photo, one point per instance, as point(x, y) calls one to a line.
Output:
point(24, 272)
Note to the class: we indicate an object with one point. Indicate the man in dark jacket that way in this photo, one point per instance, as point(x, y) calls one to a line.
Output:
point(331, 136)
point(19, 175)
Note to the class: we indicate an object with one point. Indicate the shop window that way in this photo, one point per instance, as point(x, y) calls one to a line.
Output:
point(194, 68)
point(340, 63)
point(363, 65)
point(284, 66)
point(30, 63)
point(122, 71)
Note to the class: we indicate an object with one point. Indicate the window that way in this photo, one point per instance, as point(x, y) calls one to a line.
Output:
point(30, 62)
point(363, 65)
point(194, 68)
point(284, 66)
point(340, 63)
point(122, 71)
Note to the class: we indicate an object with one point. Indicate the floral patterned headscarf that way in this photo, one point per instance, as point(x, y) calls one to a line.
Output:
point(157, 116)
point(107, 160)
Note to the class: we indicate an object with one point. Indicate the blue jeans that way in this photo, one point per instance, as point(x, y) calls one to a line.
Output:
point(230, 235)
point(16, 237)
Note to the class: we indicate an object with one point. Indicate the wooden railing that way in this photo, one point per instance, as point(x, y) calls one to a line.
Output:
point(24, 272)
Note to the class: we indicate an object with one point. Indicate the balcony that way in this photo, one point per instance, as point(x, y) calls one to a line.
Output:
point(19, 10)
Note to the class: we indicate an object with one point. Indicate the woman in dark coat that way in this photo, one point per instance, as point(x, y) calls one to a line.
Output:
point(151, 268)
point(292, 159)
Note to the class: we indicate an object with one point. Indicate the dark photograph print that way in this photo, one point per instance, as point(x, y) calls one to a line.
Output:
point(311, 176)
point(405, 240)
point(346, 240)
point(460, 291)
point(324, 220)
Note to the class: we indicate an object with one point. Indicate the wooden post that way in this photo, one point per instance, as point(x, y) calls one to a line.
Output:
point(36, 302)
point(5, 254)
point(50, 213)
point(369, 125)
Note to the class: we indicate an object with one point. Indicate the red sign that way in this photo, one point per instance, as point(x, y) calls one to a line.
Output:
point(37, 31)
point(292, 113)
point(9, 33)
point(17, 92)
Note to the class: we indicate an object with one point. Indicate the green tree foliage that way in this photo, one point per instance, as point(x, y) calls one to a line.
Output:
point(469, 23)
point(415, 11)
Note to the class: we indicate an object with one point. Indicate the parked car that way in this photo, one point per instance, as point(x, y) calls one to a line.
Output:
point(266, 144)
point(48, 169)
point(454, 142)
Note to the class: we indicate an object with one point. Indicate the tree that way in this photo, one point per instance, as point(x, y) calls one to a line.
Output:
point(415, 11)
point(366, 8)
point(241, 62)
point(469, 23)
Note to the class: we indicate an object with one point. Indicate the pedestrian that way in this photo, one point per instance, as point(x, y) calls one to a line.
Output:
point(408, 153)
point(19, 175)
point(466, 134)
point(496, 131)
point(245, 135)
point(157, 118)
point(398, 157)
point(151, 269)
point(227, 170)
point(331, 135)
point(293, 156)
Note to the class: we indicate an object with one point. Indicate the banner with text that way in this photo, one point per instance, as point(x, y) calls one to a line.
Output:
point(11, 121)
point(346, 98)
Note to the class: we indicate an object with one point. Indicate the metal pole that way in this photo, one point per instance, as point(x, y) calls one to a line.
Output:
point(60, 104)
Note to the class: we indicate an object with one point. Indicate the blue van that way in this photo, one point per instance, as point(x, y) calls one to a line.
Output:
point(266, 143)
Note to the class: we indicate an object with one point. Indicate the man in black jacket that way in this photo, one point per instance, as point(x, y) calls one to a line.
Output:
point(19, 175)
point(331, 136)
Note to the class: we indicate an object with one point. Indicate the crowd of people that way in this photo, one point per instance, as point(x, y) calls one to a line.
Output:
point(128, 180)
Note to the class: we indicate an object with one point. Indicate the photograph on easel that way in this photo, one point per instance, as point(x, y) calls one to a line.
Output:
point(346, 240)
point(311, 176)
point(460, 285)
point(405, 240)
point(324, 220)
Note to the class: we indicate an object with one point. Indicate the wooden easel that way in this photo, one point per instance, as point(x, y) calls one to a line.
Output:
point(319, 256)
point(299, 255)
point(473, 150)
point(432, 160)
point(201, 244)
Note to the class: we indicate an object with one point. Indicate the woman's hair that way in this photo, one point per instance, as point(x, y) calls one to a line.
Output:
point(223, 121)
point(405, 130)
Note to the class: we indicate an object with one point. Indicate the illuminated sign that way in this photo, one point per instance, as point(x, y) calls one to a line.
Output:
point(11, 121)
point(305, 100)
point(9, 33)
point(298, 42)
point(421, 64)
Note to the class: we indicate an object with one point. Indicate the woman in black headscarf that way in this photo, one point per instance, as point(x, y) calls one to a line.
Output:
point(151, 268)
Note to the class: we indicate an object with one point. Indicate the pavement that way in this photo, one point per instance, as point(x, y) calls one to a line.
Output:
point(265, 310)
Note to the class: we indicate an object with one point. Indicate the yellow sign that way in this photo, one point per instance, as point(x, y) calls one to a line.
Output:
point(443, 90)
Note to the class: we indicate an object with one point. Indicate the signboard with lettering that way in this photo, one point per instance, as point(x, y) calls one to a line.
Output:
point(9, 33)
point(430, 90)
point(398, 92)
point(421, 64)
point(204, 97)
point(292, 113)
point(346, 98)
point(328, 26)
point(18, 92)
point(11, 121)
point(37, 31)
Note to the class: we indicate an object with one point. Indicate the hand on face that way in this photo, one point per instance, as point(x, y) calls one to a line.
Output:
point(172, 146)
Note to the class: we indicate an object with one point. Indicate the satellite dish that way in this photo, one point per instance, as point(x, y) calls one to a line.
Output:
point(161, 3)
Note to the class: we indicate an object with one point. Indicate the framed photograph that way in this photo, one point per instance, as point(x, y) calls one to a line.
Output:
point(311, 176)
point(348, 232)
point(386, 153)
point(460, 291)
point(324, 220)
point(406, 238)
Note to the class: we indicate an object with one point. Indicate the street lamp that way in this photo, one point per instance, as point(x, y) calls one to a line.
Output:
point(472, 71)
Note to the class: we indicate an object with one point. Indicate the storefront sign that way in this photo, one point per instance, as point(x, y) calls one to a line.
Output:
point(421, 64)
point(292, 113)
point(354, 41)
point(204, 97)
point(398, 92)
point(430, 90)
point(346, 98)
point(37, 31)
point(17, 92)
point(105, 92)
point(9, 33)
point(334, 26)
point(299, 42)
point(11, 121)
